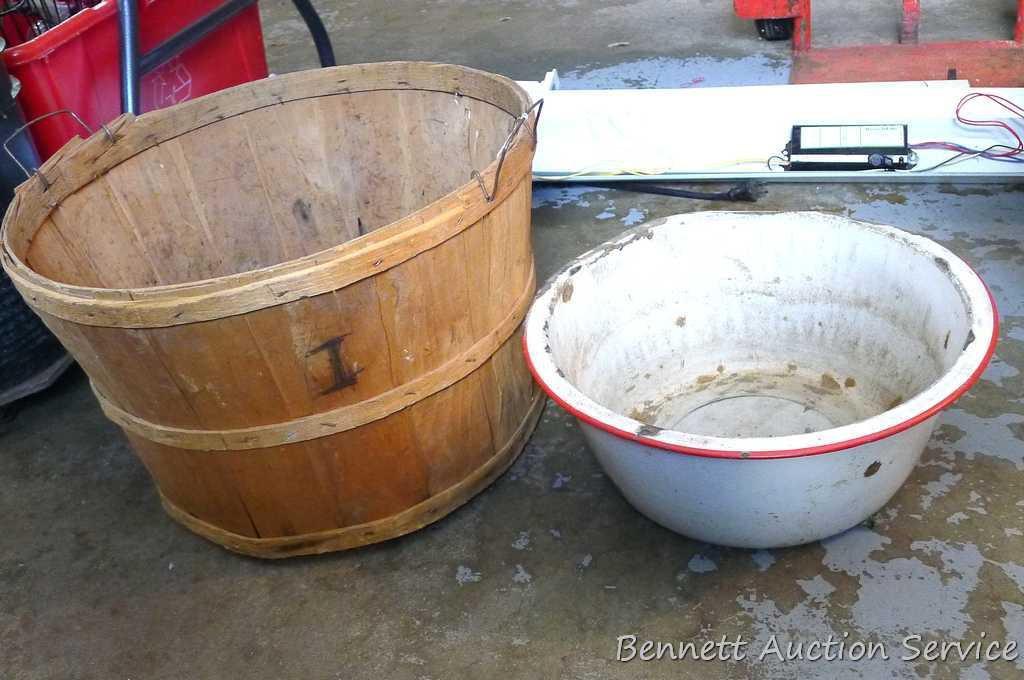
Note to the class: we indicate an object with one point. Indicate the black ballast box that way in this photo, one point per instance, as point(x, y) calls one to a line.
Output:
point(850, 147)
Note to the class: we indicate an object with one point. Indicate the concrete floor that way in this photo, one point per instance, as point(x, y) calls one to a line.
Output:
point(539, 575)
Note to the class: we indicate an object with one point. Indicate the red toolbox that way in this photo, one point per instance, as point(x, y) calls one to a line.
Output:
point(189, 47)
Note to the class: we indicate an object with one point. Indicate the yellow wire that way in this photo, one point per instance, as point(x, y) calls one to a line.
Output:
point(640, 172)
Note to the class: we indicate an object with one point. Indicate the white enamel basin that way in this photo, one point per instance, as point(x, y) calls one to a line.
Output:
point(760, 379)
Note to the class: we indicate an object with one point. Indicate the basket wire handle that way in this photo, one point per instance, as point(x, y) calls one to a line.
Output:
point(23, 127)
point(520, 121)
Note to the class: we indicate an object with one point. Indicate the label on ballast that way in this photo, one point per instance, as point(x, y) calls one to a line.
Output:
point(851, 136)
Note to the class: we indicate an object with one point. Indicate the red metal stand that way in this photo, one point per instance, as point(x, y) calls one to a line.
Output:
point(985, 63)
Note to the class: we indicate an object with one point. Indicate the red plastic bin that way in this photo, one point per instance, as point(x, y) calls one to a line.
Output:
point(76, 64)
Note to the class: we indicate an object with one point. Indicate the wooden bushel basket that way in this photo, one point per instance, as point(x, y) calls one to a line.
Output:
point(300, 298)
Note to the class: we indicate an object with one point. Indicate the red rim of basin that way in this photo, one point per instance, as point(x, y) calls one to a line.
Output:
point(797, 452)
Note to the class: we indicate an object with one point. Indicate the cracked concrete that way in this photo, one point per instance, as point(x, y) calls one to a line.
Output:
point(539, 575)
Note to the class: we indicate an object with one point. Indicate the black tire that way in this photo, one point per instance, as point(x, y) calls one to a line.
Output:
point(774, 29)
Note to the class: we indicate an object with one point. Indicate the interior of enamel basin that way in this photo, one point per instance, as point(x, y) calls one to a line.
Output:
point(264, 187)
point(730, 328)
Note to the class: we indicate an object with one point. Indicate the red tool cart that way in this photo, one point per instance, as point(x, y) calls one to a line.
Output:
point(68, 59)
point(985, 63)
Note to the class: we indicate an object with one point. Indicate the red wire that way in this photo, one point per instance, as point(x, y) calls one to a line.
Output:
point(1001, 101)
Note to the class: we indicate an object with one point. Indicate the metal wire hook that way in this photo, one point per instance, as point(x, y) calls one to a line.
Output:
point(520, 121)
point(23, 127)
